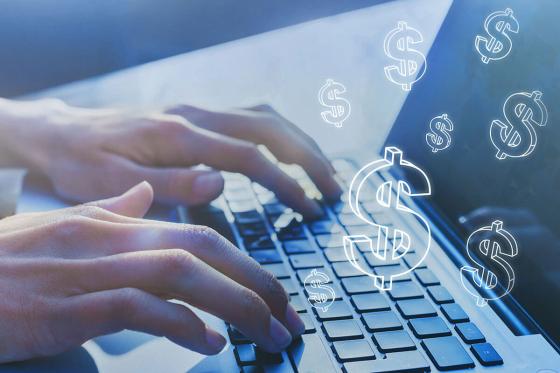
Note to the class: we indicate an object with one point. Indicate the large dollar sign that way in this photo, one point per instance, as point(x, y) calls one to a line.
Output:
point(339, 107)
point(393, 241)
point(497, 26)
point(517, 136)
point(398, 45)
point(438, 138)
point(496, 245)
point(320, 295)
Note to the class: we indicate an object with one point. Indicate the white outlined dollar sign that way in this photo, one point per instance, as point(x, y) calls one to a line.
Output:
point(321, 295)
point(496, 245)
point(399, 45)
point(393, 241)
point(516, 137)
point(498, 45)
point(339, 108)
point(438, 138)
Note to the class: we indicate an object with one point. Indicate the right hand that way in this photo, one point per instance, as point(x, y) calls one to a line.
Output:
point(70, 275)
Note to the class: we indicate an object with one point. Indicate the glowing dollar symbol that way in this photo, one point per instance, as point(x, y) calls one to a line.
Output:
point(393, 241)
point(496, 245)
point(438, 138)
point(497, 26)
point(517, 137)
point(339, 107)
point(320, 295)
point(398, 45)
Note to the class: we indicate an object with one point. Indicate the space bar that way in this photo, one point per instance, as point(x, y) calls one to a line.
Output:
point(309, 355)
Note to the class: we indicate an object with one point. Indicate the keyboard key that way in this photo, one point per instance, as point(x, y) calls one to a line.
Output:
point(486, 354)
point(298, 247)
point(414, 308)
point(389, 271)
point(350, 220)
point(469, 333)
point(336, 289)
point(393, 341)
point(278, 270)
point(328, 240)
point(382, 219)
point(353, 350)
point(396, 362)
point(359, 285)
point(429, 327)
point(236, 337)
point(337, 311)
point(335, 254)
point(297, 302)
point(325, 227)
point(454, 313)
point(245, 354)
point(252, 369)
point(289, 286)
point(346, 269)
point(405, 290)
point(274, 208)
point(295, 233)
point(266, 256)
point(303, 273)
point(308, 354)
point(242, 206)
point(370, 302)
point(247, 217)
point(308, 322)
point(381, 321)
point(411, 259)
point(258, 243)
point(439, 294)
point(305, 261)
point(366, 230)
point(374, 261)
point(342, 329)
point(252, 229)
point(447, 353)
point(426, 277)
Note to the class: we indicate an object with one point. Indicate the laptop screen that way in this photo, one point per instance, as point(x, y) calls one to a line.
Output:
point(484, 123)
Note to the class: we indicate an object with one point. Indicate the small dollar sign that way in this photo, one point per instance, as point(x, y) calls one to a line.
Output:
point(339, 107)
point(517, 137)
point(496, 245)
point(398, 45)
point(497, 26)
point(438, 138)
point(393, 241)
point(320, 295)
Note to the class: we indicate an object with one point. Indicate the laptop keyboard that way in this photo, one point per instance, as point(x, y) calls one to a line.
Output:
point(405, 329)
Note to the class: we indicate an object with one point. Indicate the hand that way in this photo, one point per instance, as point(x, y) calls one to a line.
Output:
point(69, 275)
point(89, 154)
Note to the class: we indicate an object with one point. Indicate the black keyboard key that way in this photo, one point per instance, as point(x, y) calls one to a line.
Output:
point(426, 277)
point(395, 270)
point(346, 269)
point(278, 270)
point(381, 321)
point(396, 362)
point(292, 234)
point(289, 286)
point(266, 256)
point(274, 208)
point(308, 354)
point(439, 294)
point(411, 259)
point(252, 229)
point(303, 273)
point(405, 290)
point(297, 302)
point(413, 308)
point(308, 322)
point(359, 285)
point(247, 217)
point(469, 333)
point(258, 243)
point(252, 369)
point(447, 353)
point(245, 354)
point(454, 313)
point(355, 350)
point(486, 354)
point(329, 240)
point(429, 327)
point(341, 330)
point(298, 247)
point(374, 261)
point(393, 341)
point(338, 310)
point(325, 227)
point(370, 302)
point(335, 254)
point(303, 261)
point(236, 337)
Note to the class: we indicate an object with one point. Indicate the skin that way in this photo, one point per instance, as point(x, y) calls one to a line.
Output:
point(69, 275)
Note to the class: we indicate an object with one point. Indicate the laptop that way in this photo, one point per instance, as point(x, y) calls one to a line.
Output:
point(429, 320)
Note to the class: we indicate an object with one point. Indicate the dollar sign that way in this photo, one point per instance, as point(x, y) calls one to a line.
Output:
point(393, 241)
point(412, 63)
point(339, 107)
point(518, 138)
point(497, 26)
point(496, 245)
point(320, 295)
point(438, 138)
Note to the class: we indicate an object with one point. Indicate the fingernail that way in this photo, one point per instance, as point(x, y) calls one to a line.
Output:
point(295, 324)
point(279, 334)
point(215, 341)
point(137, 186)
point(208, 185)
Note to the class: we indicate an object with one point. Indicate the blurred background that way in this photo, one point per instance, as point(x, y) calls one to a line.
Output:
point(38, 38)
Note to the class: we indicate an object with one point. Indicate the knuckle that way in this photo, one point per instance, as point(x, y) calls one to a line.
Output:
point(90, 210)
point(126, 299)
point(70, 225)
point(206, 234)
point(177, 262)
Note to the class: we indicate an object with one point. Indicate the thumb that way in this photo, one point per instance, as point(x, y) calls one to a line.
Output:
point(135, 202)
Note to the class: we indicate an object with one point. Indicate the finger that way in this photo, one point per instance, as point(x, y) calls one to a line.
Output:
point(263, 125)
point(86, 316)
point(181, 275)
point(133, 203)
